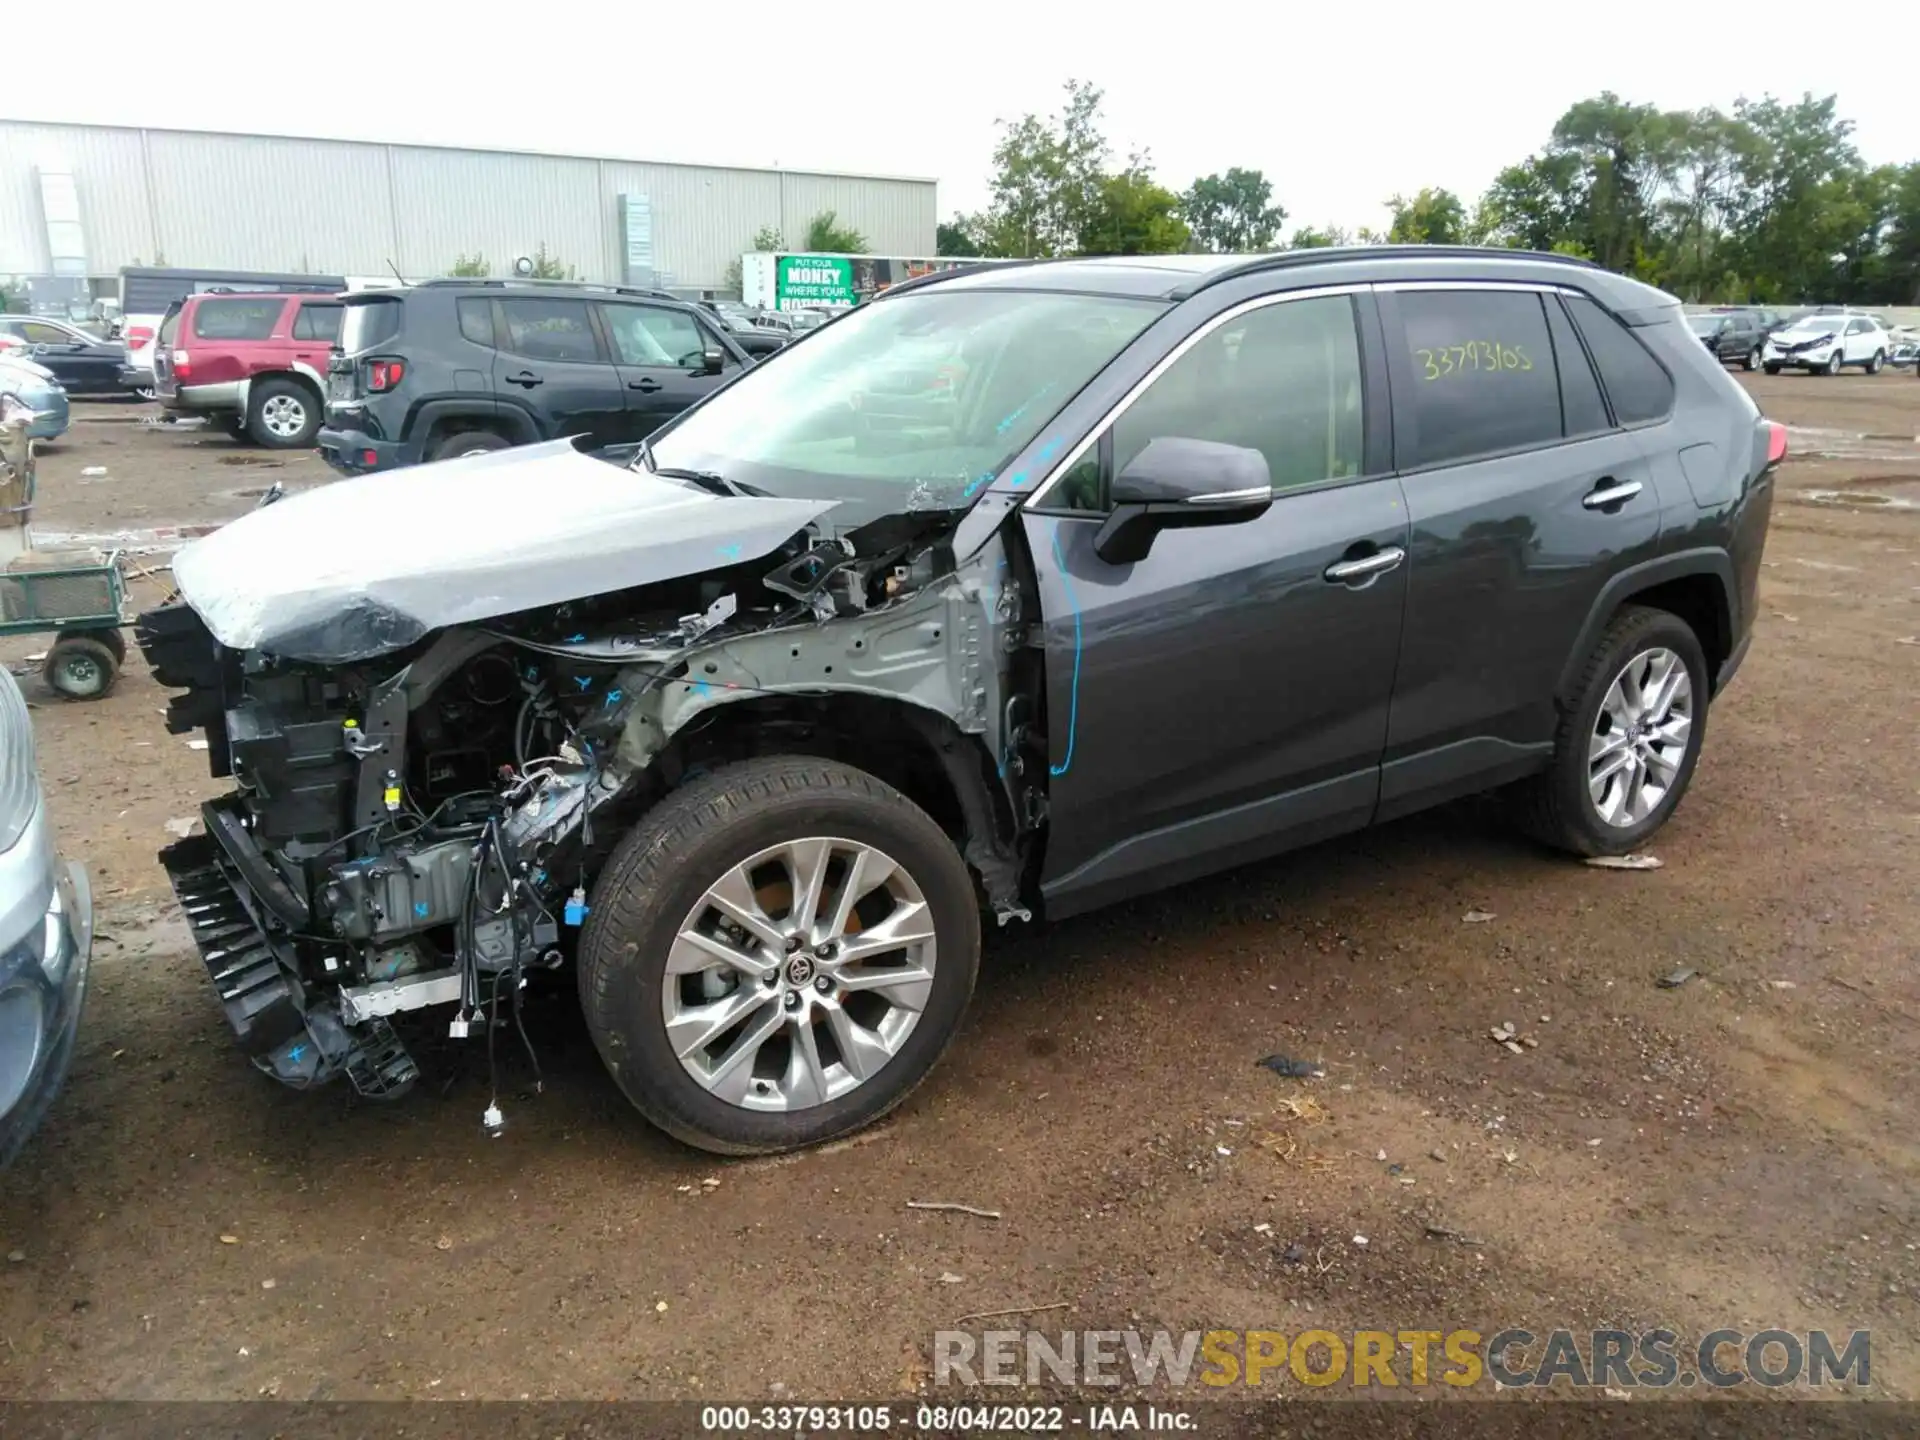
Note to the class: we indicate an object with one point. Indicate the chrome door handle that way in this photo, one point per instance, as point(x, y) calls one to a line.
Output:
point(1612, 495)
point(1366, 567)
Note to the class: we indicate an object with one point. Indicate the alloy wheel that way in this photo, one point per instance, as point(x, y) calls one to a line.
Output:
point(799, 974)
point(284, 416)
point(1640, 737)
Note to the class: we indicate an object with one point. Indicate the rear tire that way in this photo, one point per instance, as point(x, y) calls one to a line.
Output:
point(468, 442)
point(79, 667)
point(1559, 807)
point(112, 639)
point(1772, 369)
point(726, 833)
point(282, 414)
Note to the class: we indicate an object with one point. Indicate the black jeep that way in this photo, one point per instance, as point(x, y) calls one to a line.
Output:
point(457, 367)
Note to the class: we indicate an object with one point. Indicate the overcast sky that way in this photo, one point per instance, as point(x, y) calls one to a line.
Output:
point(1340, 104)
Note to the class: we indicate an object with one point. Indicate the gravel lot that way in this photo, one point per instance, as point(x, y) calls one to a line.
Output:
point(1740, 1151)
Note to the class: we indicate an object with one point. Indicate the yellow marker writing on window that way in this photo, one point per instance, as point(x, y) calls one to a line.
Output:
point(1471, 357)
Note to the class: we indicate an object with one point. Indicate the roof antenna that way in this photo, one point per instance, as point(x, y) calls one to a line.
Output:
point(396, 271)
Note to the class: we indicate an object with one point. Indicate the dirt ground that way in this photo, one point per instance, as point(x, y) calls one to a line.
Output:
point(1739, 1151)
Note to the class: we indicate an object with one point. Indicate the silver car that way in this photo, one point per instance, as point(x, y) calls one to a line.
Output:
point(46, 915)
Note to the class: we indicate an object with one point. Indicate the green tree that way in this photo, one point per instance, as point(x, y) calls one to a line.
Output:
point(826, 234)
point(1901, 260)
point(1431, 217)
point(550, 267)
point(1798, 171)
point(1308, 238)
point(955, 237)
point(1233, 213)
point(470, 265)
point(1530, 205)
point(768, 238)
point(1047, 175)
point(1132, 214)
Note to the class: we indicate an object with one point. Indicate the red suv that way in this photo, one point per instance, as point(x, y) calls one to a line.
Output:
point(254, 363)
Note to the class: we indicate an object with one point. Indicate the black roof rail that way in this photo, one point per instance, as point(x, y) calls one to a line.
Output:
point(503, 281)
point(934, 277)
point(1320, 254)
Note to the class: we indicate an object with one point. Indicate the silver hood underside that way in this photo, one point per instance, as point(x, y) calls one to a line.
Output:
point(365, 566)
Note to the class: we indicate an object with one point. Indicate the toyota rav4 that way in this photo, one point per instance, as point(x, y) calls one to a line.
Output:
point(1202, 558)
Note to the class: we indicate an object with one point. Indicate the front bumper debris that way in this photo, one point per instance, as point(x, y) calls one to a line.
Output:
point(255, 973)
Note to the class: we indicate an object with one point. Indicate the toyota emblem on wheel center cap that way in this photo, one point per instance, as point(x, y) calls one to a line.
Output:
point(800, 969)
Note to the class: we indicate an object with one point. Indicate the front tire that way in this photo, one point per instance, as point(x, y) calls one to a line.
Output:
point(1832, 367)
point(1772, 369)
point(1751, 361)
point(1877, 363)
point(1625, 751)
point(777, 955)
point(282, 414)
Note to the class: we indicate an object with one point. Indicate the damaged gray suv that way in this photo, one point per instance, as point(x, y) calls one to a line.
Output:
point(1018, 590)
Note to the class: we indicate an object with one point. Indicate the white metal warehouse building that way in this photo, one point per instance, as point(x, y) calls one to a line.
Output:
point(89, 199)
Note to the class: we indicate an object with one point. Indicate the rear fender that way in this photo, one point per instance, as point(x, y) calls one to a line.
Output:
point(1630, 582)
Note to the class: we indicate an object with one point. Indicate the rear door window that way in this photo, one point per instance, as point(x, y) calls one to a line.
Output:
point(1581, 406)
point(1640, 390)
point(236, 318)
point(1483, 380)
point(318, 322)
point(543, 329)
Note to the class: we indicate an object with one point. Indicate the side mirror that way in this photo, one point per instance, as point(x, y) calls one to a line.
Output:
point(711, 362)
point(1176, 483)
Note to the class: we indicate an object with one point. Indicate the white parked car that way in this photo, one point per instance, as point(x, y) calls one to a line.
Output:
point(1823, 343)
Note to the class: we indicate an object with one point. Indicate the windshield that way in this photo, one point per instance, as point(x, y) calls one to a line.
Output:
point(906, 404)
point(1704, 324)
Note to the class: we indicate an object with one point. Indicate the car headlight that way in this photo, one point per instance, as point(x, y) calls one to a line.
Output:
point(19, 786)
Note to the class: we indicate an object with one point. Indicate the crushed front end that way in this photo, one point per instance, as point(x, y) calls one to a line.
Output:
point(420, 808)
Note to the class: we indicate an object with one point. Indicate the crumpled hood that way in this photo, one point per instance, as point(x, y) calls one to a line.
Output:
point(365, 566)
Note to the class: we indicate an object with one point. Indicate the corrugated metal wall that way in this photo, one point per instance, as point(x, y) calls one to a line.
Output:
point(255, 202)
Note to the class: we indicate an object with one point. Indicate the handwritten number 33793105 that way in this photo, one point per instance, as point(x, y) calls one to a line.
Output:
point(1475, 357)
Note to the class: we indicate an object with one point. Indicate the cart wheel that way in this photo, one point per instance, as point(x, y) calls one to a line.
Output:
point(80, 668)
point(112, 639)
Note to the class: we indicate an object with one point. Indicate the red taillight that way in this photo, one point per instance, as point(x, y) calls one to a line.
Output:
point(385, 374)
point(369, 458)
point(1776, 441)
point(182, 365)
point(138, 336)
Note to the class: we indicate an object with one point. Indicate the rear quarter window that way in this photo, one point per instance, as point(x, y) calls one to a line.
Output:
point(1637, 384)
point(318, 322)
point(371, 323)
point(476, 319)
point(236, 318)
